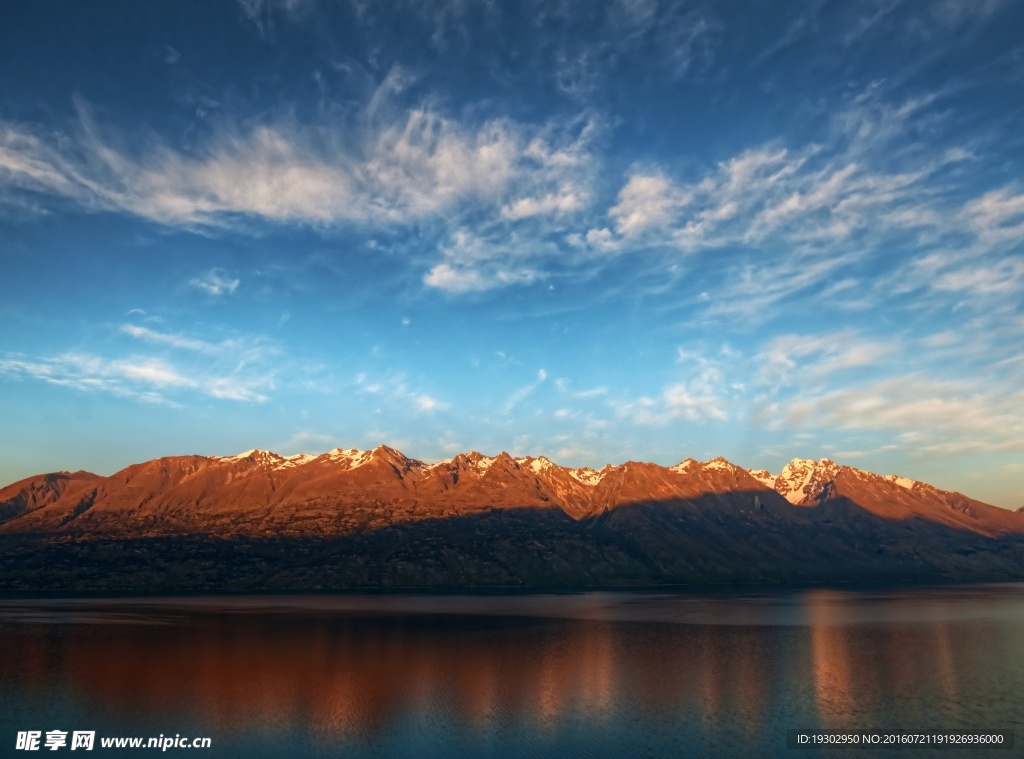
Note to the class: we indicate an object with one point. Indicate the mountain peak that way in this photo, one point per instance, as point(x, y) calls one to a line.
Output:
point(802, 481)
point(537, 465)
point(719, 462)
point(763, 476)
point(256, 455)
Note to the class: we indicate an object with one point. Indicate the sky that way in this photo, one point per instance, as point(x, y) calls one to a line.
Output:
point(633, 230)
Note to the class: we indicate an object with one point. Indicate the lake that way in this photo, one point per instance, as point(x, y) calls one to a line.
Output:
point(581, 674)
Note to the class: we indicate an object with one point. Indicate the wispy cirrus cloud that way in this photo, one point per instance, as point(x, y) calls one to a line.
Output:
point(144, 378)
point(215, 282)
point(170, 339)
point(702, 391)
point(928, 414)
point(177, 367)
point(790, 358)
point(520, 394)
point(388, 166)
point(797, 224)
point(242, 350)
point(394, 389)
point(415, 164)
point(803, 197)
point(303, 440)
point(471, 262)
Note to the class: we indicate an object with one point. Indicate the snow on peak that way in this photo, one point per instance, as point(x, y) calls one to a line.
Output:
point(297, 459)
point(683, 466)
point(538, 465)
point(261, 457)
point(271, 460)
point(243, 454)
point(804, 479)
point(337, 452)
point(763, 476)
point(588, 476)
point(349, 458)
point(798, 464)
point(718, 462)
point(903, 482)
point(794, 479)
point(481, 462)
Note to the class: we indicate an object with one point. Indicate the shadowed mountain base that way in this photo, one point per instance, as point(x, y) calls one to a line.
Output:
point(646, 544)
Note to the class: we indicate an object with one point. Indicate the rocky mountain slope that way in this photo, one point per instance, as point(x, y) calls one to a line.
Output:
point(351, 518)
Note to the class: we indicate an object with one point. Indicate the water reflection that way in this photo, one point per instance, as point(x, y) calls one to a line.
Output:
point(342, 675)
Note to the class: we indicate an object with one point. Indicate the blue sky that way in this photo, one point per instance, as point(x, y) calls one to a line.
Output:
point(596, 231)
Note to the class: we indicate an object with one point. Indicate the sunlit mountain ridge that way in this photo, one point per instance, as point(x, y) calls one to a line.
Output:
point(381, 518)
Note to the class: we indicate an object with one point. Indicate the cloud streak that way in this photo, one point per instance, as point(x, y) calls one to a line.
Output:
point(417, 165)
point(147, 379)
point(930, 415)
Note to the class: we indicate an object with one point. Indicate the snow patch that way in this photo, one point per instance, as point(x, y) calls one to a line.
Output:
point(260, 457)
point(795, 478)
point(763, 476)
point(353, 457)
point(295, 460)
point(803, 479)
point(903, 482)
point(240, 456)
point(588, 476)
point(540, 465)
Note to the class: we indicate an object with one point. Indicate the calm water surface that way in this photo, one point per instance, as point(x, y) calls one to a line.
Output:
point(591, 674)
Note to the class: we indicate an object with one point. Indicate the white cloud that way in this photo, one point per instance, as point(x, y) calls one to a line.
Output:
point(247, 353)
point(1005, 277)
point(647, 200)
point(393, 388)
point(997, 215)
point(695, 404)
point(303, 439)
point(790, 358)
point(426, 403)
point(792, 222)
point(215, 282)
point(931, 414)
point(473, 263)
point(602, 239)
point(563, 386)
point(173, 340)
point(701, 394)
point(417, 163)
point(519, 395)
point(243, 368)
point(143, 378)
point(753, 292)
point(566, 201)
point(805, 197)
point(459, 278)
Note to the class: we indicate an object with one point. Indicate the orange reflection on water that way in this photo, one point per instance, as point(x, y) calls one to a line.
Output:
point(356, 676)
point(830, 657)
point(862, 668)
point(344, 674)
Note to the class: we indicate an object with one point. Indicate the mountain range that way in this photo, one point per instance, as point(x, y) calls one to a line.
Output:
point(379, 519)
